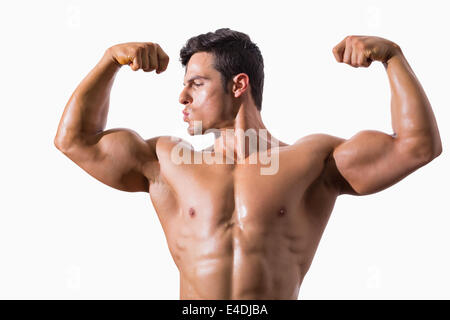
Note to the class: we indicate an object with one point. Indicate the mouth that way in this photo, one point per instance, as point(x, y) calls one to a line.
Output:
point(186, 116)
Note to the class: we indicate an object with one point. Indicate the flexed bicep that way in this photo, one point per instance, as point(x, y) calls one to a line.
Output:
point(119, 158)
point(371, 161)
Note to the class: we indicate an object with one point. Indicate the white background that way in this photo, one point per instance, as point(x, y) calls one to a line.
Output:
point(65, 235)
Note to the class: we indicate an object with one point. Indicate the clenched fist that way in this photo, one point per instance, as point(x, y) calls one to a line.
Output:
point(360, 51)
point(147, 56)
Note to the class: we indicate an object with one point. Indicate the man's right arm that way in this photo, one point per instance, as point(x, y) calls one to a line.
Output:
point(119, 158)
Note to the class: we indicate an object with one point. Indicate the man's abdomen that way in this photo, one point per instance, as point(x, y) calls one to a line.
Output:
point(241, 263)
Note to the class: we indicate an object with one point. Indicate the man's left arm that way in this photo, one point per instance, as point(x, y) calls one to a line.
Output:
point(371, 160)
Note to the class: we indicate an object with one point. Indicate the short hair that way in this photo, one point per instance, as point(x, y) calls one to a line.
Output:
point(233, 53)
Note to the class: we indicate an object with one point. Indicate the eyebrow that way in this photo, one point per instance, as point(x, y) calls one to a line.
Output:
point(195, 78)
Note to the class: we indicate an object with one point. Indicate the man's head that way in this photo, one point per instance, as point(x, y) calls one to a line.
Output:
point(222, 68)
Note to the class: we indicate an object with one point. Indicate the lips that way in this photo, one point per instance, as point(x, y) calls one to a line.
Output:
point(186, 116)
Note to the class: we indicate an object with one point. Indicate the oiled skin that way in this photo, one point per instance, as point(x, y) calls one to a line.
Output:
point(237, 234)
point(233, 232)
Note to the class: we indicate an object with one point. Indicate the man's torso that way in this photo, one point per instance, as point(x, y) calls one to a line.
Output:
point(237, 234)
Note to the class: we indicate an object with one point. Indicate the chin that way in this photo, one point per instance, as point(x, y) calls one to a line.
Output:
point(196, 131)
point(191, 132)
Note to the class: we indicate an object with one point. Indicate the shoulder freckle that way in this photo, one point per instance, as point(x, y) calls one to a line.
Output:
point(282, 211)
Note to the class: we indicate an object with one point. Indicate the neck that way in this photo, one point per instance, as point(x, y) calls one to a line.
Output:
point(242, 136)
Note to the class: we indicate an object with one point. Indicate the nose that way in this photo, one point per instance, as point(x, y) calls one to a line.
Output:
point(184, 98)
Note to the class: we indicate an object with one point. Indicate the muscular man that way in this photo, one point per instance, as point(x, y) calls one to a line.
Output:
point(235, 232)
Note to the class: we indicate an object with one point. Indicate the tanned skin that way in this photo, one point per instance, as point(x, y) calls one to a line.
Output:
point(233, 232)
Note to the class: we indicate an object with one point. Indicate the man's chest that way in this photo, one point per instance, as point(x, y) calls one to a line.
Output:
point(234, 194)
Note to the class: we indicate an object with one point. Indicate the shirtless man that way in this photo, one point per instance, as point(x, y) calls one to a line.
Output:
point(233, 232)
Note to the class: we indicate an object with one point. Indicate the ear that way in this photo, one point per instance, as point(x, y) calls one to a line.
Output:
point(241, 83)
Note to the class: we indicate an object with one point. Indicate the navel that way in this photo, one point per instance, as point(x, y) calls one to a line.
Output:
point(191, 212)
point(282, 211)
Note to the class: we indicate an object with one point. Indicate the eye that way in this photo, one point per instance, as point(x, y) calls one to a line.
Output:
point(197, 84)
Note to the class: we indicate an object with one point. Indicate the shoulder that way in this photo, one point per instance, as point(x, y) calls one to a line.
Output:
point(159, 151)
point(323, 146)
point(164, 146)
point(320, 140)
point(162, 143)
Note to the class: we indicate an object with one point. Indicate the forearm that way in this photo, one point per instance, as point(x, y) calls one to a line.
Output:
point(87, 109)
point(413, 119)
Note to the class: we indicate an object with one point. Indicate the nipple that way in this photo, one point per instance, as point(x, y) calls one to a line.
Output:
point(282, 212)
point(191, 212)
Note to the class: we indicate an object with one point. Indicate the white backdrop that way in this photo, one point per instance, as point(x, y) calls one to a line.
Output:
point(65, 235)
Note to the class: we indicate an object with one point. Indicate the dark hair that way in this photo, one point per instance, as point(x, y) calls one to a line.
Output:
point(233, 53)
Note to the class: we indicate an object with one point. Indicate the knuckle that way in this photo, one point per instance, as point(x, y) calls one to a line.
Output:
point(156, 46)
point(151, 50)
point(350, 38)
point(359, 44)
